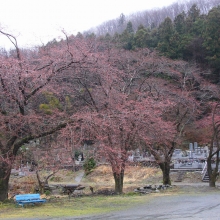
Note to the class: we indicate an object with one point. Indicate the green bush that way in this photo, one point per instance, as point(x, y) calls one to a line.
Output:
point(47, 192)
point(89, 164)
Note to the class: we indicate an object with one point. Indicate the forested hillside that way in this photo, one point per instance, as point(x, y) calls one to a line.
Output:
point(185, 30)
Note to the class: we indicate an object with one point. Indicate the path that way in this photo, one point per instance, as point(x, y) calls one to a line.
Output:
point(79, 176)
point(179, 207)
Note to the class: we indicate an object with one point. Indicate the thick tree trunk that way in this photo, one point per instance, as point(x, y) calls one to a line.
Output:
point(213, 173)
point(164, 160)
point(212, 181)
point(119, 178)
point(4, 188)
point(209, 169)
point(165, 167)
point(4, 182)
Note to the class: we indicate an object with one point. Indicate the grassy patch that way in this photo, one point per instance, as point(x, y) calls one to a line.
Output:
point(58, 207)
point(101, 178)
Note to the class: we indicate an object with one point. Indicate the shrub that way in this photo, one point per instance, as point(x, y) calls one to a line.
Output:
point(47, 192)
point(89, 164)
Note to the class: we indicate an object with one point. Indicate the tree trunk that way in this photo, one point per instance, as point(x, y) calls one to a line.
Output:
point(212, 181)
point(40, 183)
point(213, 173)
point(119, 178)
point(4, 180)
point(209, 169)
point(165, 167)
point(4, 188)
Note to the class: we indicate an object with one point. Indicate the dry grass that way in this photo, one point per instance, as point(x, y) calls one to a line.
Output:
point(102, 178)
point(137, 174)
point(19, 185)
point(132, 174)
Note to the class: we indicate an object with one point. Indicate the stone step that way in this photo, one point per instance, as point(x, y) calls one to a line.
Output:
point(206, 177)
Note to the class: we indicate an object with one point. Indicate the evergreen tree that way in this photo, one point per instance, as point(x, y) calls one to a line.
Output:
point(121, 20)
point(79, 35)
point(127, 37)
point(189, 29)
point(140, 37)
point(129, 28)
point(193, 15)
point(196, 44)
point(165, 33)
point(176, 46)
point(180, 23)
point(212, 38)
point(152, 39)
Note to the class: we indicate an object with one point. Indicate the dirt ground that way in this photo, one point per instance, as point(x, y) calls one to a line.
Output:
point(101, 178)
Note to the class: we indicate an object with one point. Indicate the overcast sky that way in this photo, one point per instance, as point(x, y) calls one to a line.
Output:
point(34, 22)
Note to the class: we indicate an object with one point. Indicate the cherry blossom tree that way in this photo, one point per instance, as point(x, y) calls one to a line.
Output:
point(160, 79)
point(35, 95)
point(214, 147)
point(208, 128)
point(122, 111)
point(121, 127)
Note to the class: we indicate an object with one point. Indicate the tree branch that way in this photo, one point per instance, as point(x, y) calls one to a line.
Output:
point(33, 137)
point(14, 42)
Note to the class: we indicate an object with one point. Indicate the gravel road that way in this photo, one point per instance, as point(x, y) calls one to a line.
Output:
point(181, 207)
